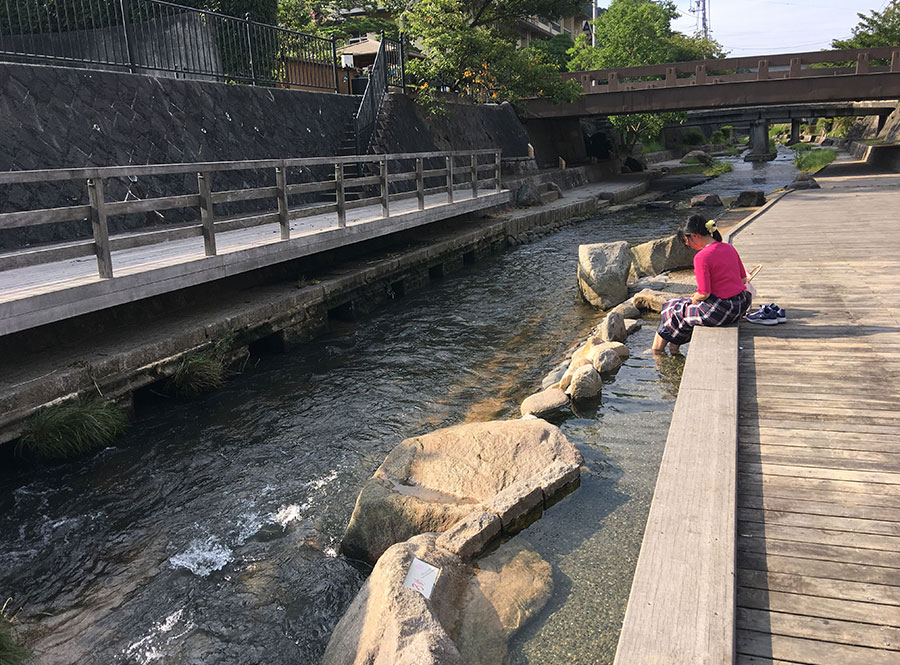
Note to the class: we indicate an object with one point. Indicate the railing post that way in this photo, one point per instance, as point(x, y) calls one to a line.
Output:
point(700, 75)
point(126, 33)
point(420, 184)
point(100, 228)
point(250, 47)
point(671, 80)
point(334, 66)
point(497, 171)
point(207, 216)
point(339, 195)
point(281, 185)
point(612, 82)
point(474, 176)
point(385, 192)
point(449, 159)
point(795, 67)
point(403, 62)
point(895, 62)
point(762, 70)
point(862, 63)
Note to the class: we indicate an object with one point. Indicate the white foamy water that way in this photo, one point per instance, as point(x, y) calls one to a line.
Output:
point(151, 647)
point(203, 556)
point(288, 514)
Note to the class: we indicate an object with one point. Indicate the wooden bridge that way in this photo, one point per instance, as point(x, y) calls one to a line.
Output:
point(793, 78)
point(774, 533)
point(218, 234)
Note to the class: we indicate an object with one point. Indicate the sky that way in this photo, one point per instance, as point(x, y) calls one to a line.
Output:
point(763, 27)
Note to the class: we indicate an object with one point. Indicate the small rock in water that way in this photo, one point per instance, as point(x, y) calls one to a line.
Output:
point(627, 310)
point(706, 201)
point(586, 383)
point(660, 205)
point(612, 329)
point(749, 199)
point(545, 403)
point(606, 361)
point(554, 376)
point(632, 326)
point(652, 300)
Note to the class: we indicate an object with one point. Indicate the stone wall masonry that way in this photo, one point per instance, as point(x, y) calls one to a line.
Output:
point(53, 117)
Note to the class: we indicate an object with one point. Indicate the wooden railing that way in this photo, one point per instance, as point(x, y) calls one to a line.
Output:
point(730, 70)
point(403, 171)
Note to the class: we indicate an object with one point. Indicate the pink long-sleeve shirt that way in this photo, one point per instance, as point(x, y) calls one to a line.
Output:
point(719, 270)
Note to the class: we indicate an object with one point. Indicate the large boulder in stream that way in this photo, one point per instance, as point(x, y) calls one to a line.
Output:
point(431, 482)
point(472, 612)
point(661, 255)
point(603, 273)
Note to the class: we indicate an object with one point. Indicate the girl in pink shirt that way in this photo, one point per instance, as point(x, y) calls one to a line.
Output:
point(721, 295)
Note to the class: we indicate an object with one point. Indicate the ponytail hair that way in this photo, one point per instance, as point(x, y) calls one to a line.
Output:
point(697, 225)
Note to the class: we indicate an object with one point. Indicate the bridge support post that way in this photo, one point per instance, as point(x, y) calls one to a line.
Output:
point(759, 143)
point(795, 131)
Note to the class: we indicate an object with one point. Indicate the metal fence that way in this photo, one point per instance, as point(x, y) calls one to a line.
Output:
point(164, 39)
point(387, 70)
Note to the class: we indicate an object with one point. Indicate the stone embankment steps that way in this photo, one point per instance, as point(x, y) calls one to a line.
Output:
point(129, 356)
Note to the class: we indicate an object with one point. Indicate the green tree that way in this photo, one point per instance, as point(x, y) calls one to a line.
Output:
point(468, 50)
point(555, 50)
point(639, 32)
point(875, 29)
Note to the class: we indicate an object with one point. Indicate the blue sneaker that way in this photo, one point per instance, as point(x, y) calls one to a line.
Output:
point(780, 312)
point(765, 315)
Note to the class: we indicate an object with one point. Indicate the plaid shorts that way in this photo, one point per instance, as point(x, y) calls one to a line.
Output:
point(679, 316)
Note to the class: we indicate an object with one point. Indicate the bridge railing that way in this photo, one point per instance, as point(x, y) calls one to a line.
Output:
point(287, 184)
point(729, 70)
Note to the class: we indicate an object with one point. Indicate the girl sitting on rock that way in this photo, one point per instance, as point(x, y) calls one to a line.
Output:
point(721, 295)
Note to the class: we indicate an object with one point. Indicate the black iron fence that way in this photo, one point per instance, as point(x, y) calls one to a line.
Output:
point(387, 70)
point(164, 39)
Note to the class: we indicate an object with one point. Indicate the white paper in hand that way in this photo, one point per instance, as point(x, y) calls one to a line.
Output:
point(421, 577)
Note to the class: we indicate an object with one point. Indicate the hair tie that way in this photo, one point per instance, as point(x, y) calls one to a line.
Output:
point(711, 226)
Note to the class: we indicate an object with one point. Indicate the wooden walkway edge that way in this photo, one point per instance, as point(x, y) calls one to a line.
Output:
point(681, 607)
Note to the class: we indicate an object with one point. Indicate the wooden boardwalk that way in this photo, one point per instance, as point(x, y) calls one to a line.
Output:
point(818, 532)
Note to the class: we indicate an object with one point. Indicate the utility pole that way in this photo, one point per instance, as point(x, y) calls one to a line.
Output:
point(700, 7)
point(594, 24)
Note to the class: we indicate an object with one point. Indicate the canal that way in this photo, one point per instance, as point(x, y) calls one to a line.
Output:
point(209, 533)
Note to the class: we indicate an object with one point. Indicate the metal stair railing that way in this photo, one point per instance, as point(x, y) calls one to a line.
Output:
point(387, 70)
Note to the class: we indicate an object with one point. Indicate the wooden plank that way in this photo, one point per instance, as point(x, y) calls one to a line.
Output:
point(839, 463)
point(12, 220)
point(814, 606)
point(852, 524)
point(152, 205)
point(835, 570)
point(798, 449)
point(821, 507)
point(813, 652)
point(852, 492)
point(825, 588)
point(876, 482)
point(49, 254)
point(815, 628)
point(691, 519)
point(819, 535)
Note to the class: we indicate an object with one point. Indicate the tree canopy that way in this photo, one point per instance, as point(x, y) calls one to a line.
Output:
point(470, 50)
point(875, 29)
point(639, 32)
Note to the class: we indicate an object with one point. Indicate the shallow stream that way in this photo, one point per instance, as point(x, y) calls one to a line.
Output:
point(208, 534)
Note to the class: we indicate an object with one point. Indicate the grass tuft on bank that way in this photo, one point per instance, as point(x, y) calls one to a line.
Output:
point(72, 429)
point(11, 650)
point(718, 168)
point(199, 372)
point(811, 161)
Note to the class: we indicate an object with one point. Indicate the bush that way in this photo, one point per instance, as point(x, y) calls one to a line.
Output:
point(727, 131)
point(717, 137)
point(651, 146)
point(718, 169)
point(772, 146)
point(694, 137)
point(811, 161)
point(71, 429)
point(199, 372)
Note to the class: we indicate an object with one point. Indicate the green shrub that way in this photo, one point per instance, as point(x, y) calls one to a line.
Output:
point(11, 652)
point(801, 147)
point(772, 146)
point(718, 169)
point(727, 131)
point(717, 137)
point(199, 372)
point(67, 430)
point(842, 126)
point(694, 137)
point(811, 161)
point(651, 146)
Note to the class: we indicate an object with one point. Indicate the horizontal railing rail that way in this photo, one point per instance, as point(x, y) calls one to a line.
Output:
point(165, 39)
point(747, 68)
point(399, 176)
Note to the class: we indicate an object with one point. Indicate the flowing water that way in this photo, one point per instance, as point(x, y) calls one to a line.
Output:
point(208, 534)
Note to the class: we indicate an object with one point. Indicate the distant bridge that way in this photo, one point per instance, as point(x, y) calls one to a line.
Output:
point(772, 80)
